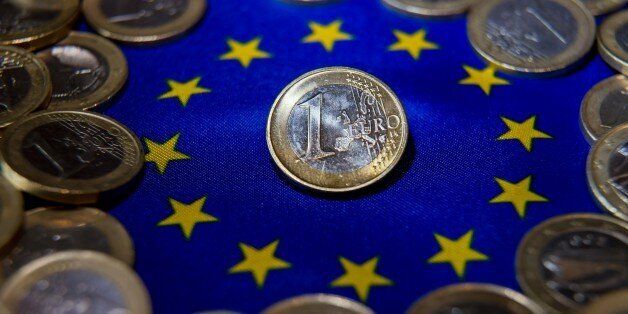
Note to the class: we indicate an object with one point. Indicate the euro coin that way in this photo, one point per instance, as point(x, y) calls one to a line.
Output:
point(337, 129)
point(613, 41)
point(318, 304)
point(604, 107)
point(567, 261)
point(431, 7)
point(11, 212)
point(600, 7)
point(69, 156)
point(531, 36)
point(86, 70)
point(611, 303)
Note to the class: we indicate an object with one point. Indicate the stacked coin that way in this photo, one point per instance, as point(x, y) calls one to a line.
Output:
point(318, 303)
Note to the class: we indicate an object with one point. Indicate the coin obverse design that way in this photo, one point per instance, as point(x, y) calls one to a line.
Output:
point(531, 36)
point(613, 41)
point(318, 303)
point(604, 107)
point(11, 212)
point(337, 129)
point(431, 7)
point(567, 261)
point(611, 303)
point(600, 7)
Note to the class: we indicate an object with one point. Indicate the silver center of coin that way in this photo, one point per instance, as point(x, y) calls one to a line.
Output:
point(618, 170)
point(19, 16)
point(15, 83)
point(474, 308)
point(622, 37)
point(614, 108)
point(143, 13)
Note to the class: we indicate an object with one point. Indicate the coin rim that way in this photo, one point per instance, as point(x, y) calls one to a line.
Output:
point(430, 9)
point(287, 305)
point(608, 46)
point(590, 120)
point(12, 213)
point(605, 6)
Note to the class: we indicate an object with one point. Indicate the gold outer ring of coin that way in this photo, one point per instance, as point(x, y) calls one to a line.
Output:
point(486, 49)
point(317, 303)
point(610, 50)
point(125, 279)
point(97, 19)
point(602, 7)
point(11, 212)
point(430, 8)
point(610, 303)
point(529, 251)
point(514, 301)
point(597, 172)
point(590, 121)
point(25, 177)
point(118, 71)
point(287, 160)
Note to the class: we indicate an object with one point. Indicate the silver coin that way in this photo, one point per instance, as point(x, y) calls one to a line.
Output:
point(318, 304)
point(613, 41)
point(531, 36)
point(11, 212)
point(604, 107)
point(431, 7)
point(612, 303)
point(567, 261)
point(600, 7)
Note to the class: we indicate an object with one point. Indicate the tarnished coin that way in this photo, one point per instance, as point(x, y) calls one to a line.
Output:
point(337, 129)
point(50, 230)
point(69, 156)
point(604, 107)
point(143, 21)
point(318, 304)
point(33, 24)
point(11, 212)
point(86, 71)
point(431, 7)
point(600, 7)
point(567, 261)
point(531, 36)
point(76, 282)
point(613, 41)
point(612, 303)
point(24, 84)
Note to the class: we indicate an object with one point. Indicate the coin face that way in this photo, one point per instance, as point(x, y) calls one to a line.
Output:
point(337, 129)
point(86, 70)
point(604, 107)
point(531, 36)
point(570, 260)
point(11, 212)
point(139, 21)
point(600, 7)
point(69, 156)
point(431, 7)
point(611, 303)
point(317, 304)
point(76, 282)
point(24, 84)
point(613, 41)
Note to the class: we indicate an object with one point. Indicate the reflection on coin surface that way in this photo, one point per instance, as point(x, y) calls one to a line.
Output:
point(86, 70)
point(24, 84)
point(69, 156)
point(11, 211)
point(431, 7)
point(76, 282)
point(612, 303)
point(318, 304)
point(531, 36)
point(567, 261)
point(604, 107)
point(138, 21)
point(613, 41)
point(599, 7)
point(337, 129)
point(50, 230)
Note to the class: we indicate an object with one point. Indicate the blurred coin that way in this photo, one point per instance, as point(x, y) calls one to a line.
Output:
point(11, 212)
point(604, 107)
point(76, 282)
point(531, 36)
point(86, 70)
point(50, 230)
point(142, 21)
point(612, 303)
point(337, 129)
point(69, 156)
point(600, 7)
point(613, 41)
point(607, 171)
point(431, 7)
point(567, 261)
point(24, 84)
point(318, 304)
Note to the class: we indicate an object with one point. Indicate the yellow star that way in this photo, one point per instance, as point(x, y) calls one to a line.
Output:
point(485, 79)
point(412, 43)
point(184, 91)
point(518, 194)
point(524, 132)
point(361, 277)
point(327, 35)
point(163, 153)
point(259, 262)
point(187, 216)
point(457, 252)
point(245, 52)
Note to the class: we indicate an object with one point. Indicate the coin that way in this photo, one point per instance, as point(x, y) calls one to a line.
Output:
point(86, 70)
point(76, 282)
point(531, 36)
point(604, 107)
point(69, 156)
point(143, 21)
point(24, 84)
point(566, 261)
point(607, 171)
point(33, 24)
point(337, 129)
point(431, 7)
point(11, 212)
point(613, 41)
point(611, 303)
point(50, 230)
point(318, 304)
point(600, 7)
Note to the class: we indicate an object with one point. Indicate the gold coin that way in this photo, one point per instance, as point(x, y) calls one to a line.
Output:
point(613, 42)
point(431, 7)
point(86, 70)
point(11, 212)
point(604, 107)
point(601, 7)
point(318, 304)
point(612, 303)
point(337, 129)
point(136, 21)
point(76, 282)
point(70, 156)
